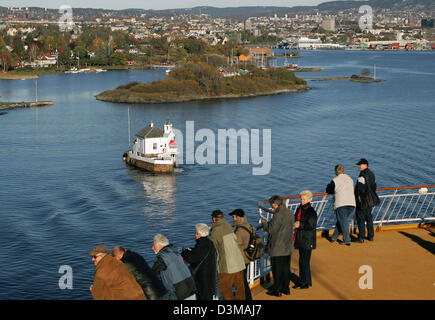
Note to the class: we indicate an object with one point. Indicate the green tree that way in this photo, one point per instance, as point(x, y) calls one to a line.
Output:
point(118, 58)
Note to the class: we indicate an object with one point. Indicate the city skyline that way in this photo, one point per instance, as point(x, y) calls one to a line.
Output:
point(161, 5)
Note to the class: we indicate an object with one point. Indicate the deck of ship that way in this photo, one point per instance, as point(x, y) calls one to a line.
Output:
point(402, 263)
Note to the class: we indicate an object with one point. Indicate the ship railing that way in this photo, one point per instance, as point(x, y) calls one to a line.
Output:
point(398, 205)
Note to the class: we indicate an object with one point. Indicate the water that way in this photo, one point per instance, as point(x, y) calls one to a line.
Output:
point(65, 188)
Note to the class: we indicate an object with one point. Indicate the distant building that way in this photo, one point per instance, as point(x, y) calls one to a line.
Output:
point(248, 24)
point(244, 58)
point(328, 24)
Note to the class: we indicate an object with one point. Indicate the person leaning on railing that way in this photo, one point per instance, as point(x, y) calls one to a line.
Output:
point(112, 279)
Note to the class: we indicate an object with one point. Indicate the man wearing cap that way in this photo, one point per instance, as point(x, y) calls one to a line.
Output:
point(243, 231)
point(366, 198)
point(112, 280)
point(230, 264)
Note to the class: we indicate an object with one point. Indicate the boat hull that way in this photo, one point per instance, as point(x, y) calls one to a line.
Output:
point(149, 164)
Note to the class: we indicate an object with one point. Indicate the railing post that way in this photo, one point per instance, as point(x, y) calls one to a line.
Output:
point(387, 208)
point(251, 272)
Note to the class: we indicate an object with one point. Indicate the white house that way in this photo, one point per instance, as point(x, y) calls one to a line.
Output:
point(153, 142)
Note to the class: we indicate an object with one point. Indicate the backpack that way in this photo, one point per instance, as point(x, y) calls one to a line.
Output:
point(255, 248)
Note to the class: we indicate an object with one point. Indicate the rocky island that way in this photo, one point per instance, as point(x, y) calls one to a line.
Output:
point(200, 80)
point(354, 77)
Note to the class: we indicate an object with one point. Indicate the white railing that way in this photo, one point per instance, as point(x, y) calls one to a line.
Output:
point(399, 205)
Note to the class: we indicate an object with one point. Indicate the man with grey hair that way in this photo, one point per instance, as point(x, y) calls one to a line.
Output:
point(174, 273)
point(279, 245)
point(202, 259)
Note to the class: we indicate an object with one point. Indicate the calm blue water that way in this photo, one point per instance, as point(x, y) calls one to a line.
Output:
point(64, 187)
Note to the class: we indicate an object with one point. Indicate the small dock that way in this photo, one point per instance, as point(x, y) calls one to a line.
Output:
point(402, 264)
point(13, 105)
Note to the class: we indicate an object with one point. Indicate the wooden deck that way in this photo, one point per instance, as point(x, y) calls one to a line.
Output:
point(402, 262)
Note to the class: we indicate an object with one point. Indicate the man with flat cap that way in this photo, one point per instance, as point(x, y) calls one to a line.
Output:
point(230, 263)
point(366, 198)
point(243, 231)
point(112, 280)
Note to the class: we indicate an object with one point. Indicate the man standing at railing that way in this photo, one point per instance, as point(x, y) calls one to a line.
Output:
point(279, 245)
point(366, 198)
point(230, 263)
point(344, 203)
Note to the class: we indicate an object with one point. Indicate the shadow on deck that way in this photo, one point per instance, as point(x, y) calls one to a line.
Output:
point(402, 265)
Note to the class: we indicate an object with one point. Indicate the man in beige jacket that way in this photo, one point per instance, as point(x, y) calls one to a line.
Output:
point(230, 263)
point(243, 231)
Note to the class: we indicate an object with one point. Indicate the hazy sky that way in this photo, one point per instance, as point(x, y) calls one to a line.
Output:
point(161, 4)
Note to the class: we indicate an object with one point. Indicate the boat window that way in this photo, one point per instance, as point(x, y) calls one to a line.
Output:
point(154, 146)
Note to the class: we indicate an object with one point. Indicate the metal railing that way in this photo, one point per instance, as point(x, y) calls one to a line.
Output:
point(399, 205)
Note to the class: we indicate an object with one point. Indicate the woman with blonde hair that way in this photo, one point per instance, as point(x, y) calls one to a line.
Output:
point(305, 238)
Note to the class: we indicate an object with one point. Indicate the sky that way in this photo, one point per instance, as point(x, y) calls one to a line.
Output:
point(156, 5)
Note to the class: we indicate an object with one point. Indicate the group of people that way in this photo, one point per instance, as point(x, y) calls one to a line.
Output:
point(220, 257)
point(347, 199)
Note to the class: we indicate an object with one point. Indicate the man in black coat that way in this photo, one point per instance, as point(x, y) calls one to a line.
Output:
point(366, 198)
point(202, 259)
point(305, 238)
point(152, 287)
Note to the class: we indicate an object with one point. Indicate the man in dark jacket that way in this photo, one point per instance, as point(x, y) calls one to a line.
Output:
point(279, 245)
point(366, 198)
point(305, 238)
point(151, 285)
point(202, 259)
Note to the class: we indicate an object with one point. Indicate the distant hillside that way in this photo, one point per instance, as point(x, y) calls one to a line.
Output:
point(255, 11)
point(331, 6)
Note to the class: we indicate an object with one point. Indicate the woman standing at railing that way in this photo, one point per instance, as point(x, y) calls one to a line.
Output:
point(305, 238)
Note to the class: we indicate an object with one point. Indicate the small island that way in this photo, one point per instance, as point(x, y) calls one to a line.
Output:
point(200, 80)
point(353, 77)
point(17, 76)
point(13, 105)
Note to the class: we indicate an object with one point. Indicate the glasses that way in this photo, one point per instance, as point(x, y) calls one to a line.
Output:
point(95, 257)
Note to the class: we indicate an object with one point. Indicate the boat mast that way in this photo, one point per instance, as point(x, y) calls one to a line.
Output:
point(128, 116)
